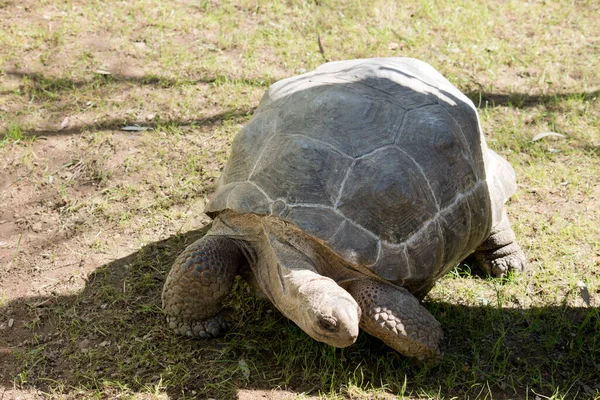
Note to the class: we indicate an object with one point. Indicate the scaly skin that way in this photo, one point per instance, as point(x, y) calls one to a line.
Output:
point(201, 277)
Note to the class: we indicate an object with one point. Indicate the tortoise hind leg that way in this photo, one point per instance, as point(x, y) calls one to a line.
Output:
point(201, 277)
point(500, 253)
point(392, 314)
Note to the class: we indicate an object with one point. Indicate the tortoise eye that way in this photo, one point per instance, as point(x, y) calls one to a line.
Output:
point(328, 323)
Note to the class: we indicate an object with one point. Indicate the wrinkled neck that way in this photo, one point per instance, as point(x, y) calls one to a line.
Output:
point(282, 270)
point(280, 265)
point(259, 234)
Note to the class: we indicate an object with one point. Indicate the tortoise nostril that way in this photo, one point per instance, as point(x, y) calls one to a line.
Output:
point(328, 323)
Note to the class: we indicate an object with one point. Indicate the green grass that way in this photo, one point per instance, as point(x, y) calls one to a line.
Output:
point(92, 216)
point(13, 135)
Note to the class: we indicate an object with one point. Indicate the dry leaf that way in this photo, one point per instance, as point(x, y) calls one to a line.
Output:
point(546, 134)
point(134, 128)
point(64, 124)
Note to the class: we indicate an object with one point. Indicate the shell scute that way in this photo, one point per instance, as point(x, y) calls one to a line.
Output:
point(341, 116)
point(355, 244)
point(385, 194)
point(318, 221)
point(292, 168)
point(248, 147)
point(243, 197)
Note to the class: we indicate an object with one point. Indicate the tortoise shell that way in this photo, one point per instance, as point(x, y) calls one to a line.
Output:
point(383, 160)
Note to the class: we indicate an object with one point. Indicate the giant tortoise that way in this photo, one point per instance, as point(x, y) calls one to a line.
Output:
point(352, 189)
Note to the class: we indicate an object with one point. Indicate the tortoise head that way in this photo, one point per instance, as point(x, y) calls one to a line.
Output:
point(323, 309)
point(316, 303)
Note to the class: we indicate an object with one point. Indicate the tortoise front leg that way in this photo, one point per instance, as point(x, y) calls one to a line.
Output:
point(394, 315)
point(500, 252)
point(201, 277)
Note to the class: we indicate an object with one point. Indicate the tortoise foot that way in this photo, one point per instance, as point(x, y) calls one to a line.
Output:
point(501, 266)
point(500, 253)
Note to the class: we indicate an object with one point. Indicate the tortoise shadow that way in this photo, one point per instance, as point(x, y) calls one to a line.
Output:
point(111, 334)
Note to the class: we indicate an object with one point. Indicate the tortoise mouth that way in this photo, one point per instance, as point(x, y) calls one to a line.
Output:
point(338, 339)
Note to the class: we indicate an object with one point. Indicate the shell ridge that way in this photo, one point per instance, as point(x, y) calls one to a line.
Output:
point(260, 190)
point(462, 132)
point(337, 212)
point(377, 150)
point(324, 143)
point(437, 205)
point(469, 222)
point(227, 197)
point(398, 133)
point(405, 254)
point(442, 243)
point(337, 231)
point(379, 252)
point(438, 215)
point(343, 184)
point(262, 151)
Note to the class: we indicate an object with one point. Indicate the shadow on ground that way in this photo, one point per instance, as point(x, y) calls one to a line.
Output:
point(117, 124)
point(50, 91)
point(523, 100)
point(111, 336)
point(54, 84)
point(37, 85)
point(42, 83)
